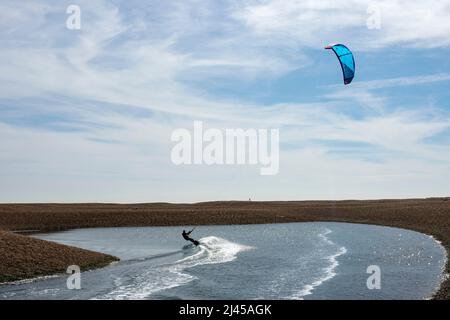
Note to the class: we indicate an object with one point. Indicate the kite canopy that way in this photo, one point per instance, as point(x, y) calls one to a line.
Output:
point(346, 60)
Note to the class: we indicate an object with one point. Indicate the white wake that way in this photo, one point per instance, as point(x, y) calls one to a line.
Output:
point(329, 272)
point(212, 250)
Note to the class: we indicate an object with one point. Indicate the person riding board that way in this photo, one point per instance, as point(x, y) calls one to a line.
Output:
point(187, 238)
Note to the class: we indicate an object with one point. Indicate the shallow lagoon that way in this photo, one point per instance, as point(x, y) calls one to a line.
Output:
point(270, 261)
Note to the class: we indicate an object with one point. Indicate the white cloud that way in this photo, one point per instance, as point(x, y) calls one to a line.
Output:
point(113, 61)
point(403, 81)
point(315, 23)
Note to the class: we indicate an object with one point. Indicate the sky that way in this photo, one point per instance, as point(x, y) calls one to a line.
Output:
point(87, 115)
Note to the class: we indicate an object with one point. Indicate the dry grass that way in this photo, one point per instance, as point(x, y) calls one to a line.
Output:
point(431, 216)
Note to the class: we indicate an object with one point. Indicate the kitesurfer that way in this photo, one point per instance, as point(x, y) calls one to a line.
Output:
point(187, 238)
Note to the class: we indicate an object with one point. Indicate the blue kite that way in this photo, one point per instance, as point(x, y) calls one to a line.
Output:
point(346, 60)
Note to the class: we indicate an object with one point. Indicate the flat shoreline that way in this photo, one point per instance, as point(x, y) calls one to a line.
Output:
point(429, 216)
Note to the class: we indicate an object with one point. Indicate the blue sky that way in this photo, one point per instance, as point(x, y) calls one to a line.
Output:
point(87, 115)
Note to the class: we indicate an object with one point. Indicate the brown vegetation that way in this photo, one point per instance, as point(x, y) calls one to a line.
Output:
point(24, 257)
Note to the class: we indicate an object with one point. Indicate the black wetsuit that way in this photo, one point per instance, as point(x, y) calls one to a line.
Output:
point(187, 238)
point(186, 235)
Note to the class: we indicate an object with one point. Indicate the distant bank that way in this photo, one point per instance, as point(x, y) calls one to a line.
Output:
point(430, 216)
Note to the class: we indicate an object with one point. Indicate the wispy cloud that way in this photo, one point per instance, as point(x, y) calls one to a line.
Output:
point(403, 81)
point(314, 23)
point(87, 115)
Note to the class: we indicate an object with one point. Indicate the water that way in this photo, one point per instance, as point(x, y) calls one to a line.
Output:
point(272, 261)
